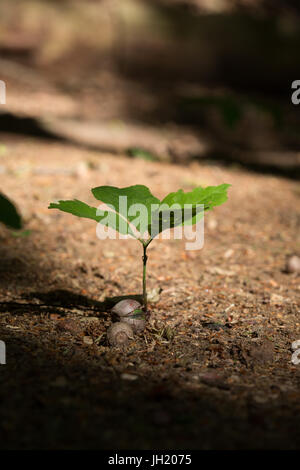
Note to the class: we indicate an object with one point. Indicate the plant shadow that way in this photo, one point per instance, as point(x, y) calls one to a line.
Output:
point(57, 299)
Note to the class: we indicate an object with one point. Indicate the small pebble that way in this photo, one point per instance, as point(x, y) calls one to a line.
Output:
point(87, 340)
point(293, 264)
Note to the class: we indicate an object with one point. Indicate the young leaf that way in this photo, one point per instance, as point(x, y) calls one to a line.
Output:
point(78, 208)
point(154, 215)
point(209, 197)
point(174, 217)
point(139, 200)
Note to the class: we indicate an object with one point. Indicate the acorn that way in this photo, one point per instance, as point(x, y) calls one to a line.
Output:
point(119, 333)
point(137, 322)
point(125, 307)
point(130, 311)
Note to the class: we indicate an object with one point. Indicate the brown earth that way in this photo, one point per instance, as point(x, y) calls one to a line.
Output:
point(213, 369)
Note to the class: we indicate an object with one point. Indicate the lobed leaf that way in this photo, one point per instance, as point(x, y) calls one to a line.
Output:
point(137, 196)
point(76, 207)
point(81, 209)
point(154, 215)
point(209, 197)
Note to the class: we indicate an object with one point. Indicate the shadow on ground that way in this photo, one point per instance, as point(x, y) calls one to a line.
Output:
point(79, 400)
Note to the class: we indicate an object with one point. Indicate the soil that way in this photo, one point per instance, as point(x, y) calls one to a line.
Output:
point(213, 368)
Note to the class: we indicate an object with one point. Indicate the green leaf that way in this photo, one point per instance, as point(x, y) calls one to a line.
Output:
point(9, 214)
point(135, 205)
point(137, 195)
point(78, 208)
point(171, 218)
point(105, 217)
point(209, 197)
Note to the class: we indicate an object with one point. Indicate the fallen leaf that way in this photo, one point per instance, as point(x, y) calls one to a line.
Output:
point(153, 296)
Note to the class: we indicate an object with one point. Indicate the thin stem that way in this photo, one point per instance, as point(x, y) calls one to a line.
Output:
point(145, 258)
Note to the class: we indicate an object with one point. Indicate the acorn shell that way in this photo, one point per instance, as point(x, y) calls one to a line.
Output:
point(125, 307)
point(137, 322)
point(119, 333)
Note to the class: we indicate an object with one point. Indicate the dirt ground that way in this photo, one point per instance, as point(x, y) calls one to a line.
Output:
point(213, 369)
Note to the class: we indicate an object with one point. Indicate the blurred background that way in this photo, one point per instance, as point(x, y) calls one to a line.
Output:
point(162, 79)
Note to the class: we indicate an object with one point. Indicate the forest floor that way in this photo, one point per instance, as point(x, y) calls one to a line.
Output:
point(212, 370)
